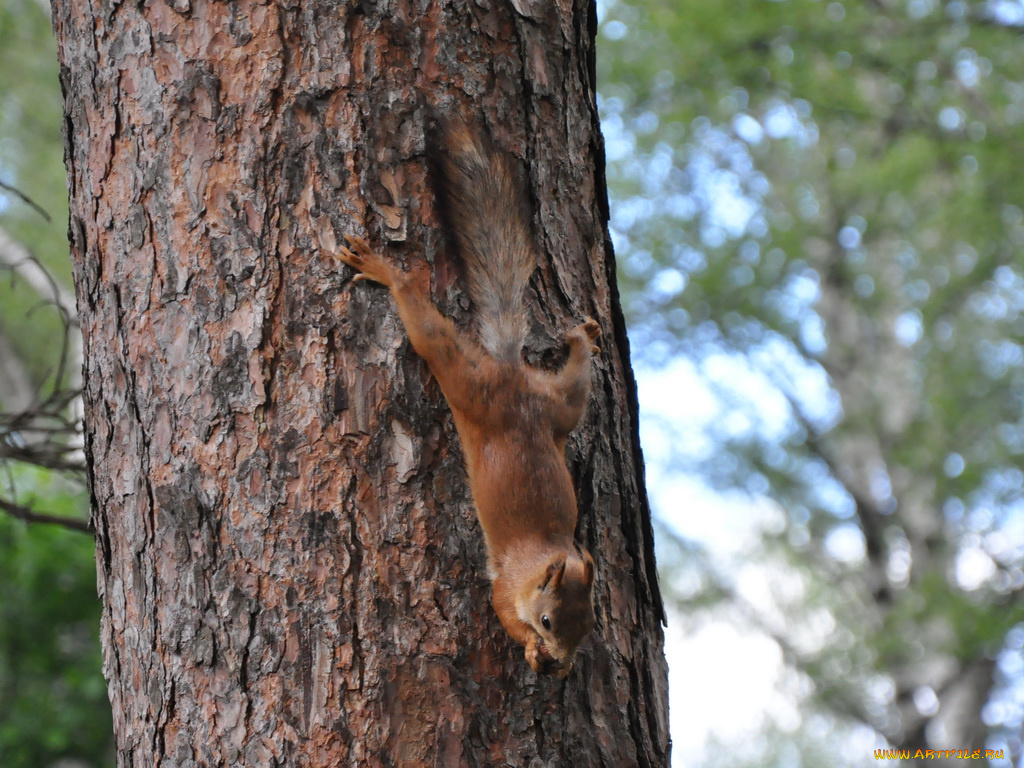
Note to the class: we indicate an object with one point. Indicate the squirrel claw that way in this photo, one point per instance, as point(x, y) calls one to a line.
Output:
point(590, 327)
point(369, 264)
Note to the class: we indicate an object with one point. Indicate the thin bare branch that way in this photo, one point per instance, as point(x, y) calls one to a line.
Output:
point(17, 391)
point(60, 458)
point(20, 260)
point(27, 200)
point(46, 428)
point(24, 513)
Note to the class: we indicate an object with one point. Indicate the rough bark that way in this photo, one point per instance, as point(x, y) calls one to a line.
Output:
point(291, 570)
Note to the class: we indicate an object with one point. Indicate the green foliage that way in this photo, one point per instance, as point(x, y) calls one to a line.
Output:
point(829, 193)
point(32, 161)
point(53, 701)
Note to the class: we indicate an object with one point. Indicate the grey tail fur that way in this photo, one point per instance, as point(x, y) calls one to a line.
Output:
point(487, 212)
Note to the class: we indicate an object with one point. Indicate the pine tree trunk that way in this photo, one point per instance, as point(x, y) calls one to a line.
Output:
point(291, 569)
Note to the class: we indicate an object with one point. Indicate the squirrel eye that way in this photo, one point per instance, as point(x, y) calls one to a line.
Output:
point(545, 621)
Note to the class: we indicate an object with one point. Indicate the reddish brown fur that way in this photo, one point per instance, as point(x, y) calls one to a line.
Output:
point(513, 419)
point(485, 209)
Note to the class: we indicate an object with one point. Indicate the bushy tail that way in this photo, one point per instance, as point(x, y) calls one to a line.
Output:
point(487, 213)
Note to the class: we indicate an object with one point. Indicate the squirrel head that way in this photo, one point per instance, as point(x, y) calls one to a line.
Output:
point(559, 605)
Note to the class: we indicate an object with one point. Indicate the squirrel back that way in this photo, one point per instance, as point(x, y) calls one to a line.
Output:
point(484, 203)
point(512, 419)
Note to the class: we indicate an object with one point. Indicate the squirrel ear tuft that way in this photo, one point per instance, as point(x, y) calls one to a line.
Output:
point(588, 565)
point(554, 573)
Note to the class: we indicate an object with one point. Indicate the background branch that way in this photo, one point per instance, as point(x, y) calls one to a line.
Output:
point(26, 514)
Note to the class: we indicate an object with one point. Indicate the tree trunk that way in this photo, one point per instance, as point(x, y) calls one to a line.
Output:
point(291, 569)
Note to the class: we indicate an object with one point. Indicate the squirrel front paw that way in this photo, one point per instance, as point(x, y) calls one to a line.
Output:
point(535, 655)
point(371, 265)
point(542, 662)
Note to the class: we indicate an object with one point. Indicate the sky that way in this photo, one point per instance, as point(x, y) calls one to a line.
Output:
point(723, 679)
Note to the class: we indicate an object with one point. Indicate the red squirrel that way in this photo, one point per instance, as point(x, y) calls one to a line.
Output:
point(513, 419)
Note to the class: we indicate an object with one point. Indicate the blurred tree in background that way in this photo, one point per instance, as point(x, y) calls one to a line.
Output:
point(819, 205)
point(53, 702)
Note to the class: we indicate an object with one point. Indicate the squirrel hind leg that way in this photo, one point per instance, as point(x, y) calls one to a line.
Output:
point(569, 388)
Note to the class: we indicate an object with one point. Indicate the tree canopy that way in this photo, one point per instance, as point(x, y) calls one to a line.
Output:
point(825, 193)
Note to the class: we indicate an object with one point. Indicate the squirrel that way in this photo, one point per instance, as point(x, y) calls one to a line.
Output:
point(512, 419)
